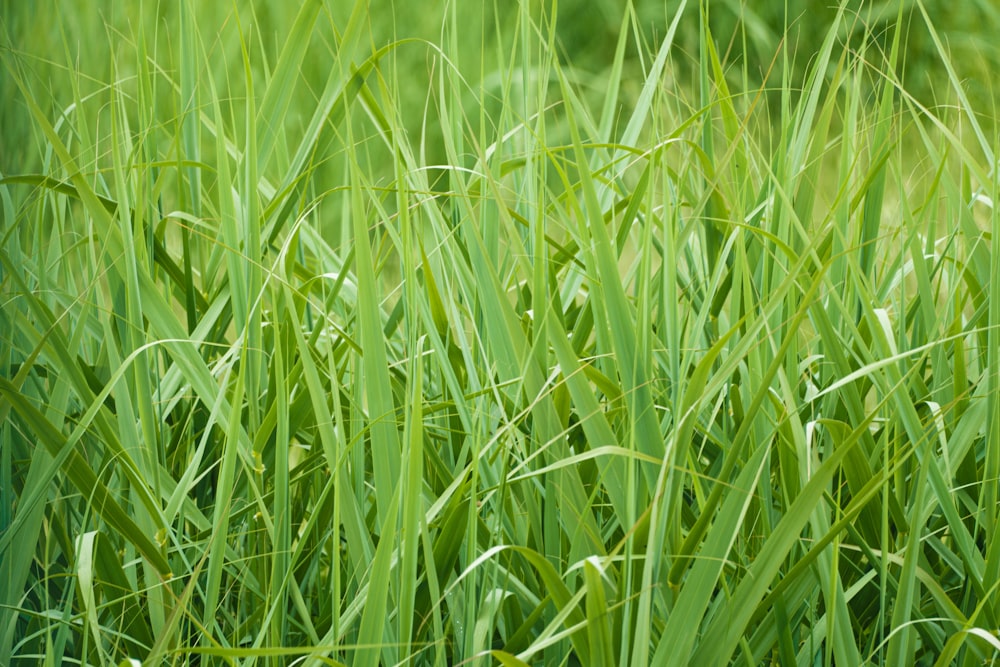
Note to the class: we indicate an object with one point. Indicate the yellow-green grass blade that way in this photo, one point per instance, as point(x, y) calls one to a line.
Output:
point(682, 628)
point(620, 316)
point(411, 499)
point(599, 634)
point(222, 509)
point(274, 105)
point(374, 632)
point(246, 241)
point(282, 509)
point(384, 431)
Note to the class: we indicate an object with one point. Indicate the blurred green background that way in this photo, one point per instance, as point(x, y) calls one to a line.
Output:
point(68, 49)
point(67, 43)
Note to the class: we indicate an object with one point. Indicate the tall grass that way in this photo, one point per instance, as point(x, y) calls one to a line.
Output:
point(325, 345)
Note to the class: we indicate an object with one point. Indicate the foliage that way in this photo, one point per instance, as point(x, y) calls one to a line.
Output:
point(329, 341)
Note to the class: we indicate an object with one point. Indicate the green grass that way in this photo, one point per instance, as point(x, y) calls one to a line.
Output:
point(343, 336)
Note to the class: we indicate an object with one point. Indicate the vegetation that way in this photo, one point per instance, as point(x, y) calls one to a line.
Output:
point(431, 335)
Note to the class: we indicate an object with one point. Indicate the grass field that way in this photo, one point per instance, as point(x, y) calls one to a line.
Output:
point(503, 334)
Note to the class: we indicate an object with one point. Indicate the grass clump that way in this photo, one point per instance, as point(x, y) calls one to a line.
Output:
point(329, 343)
